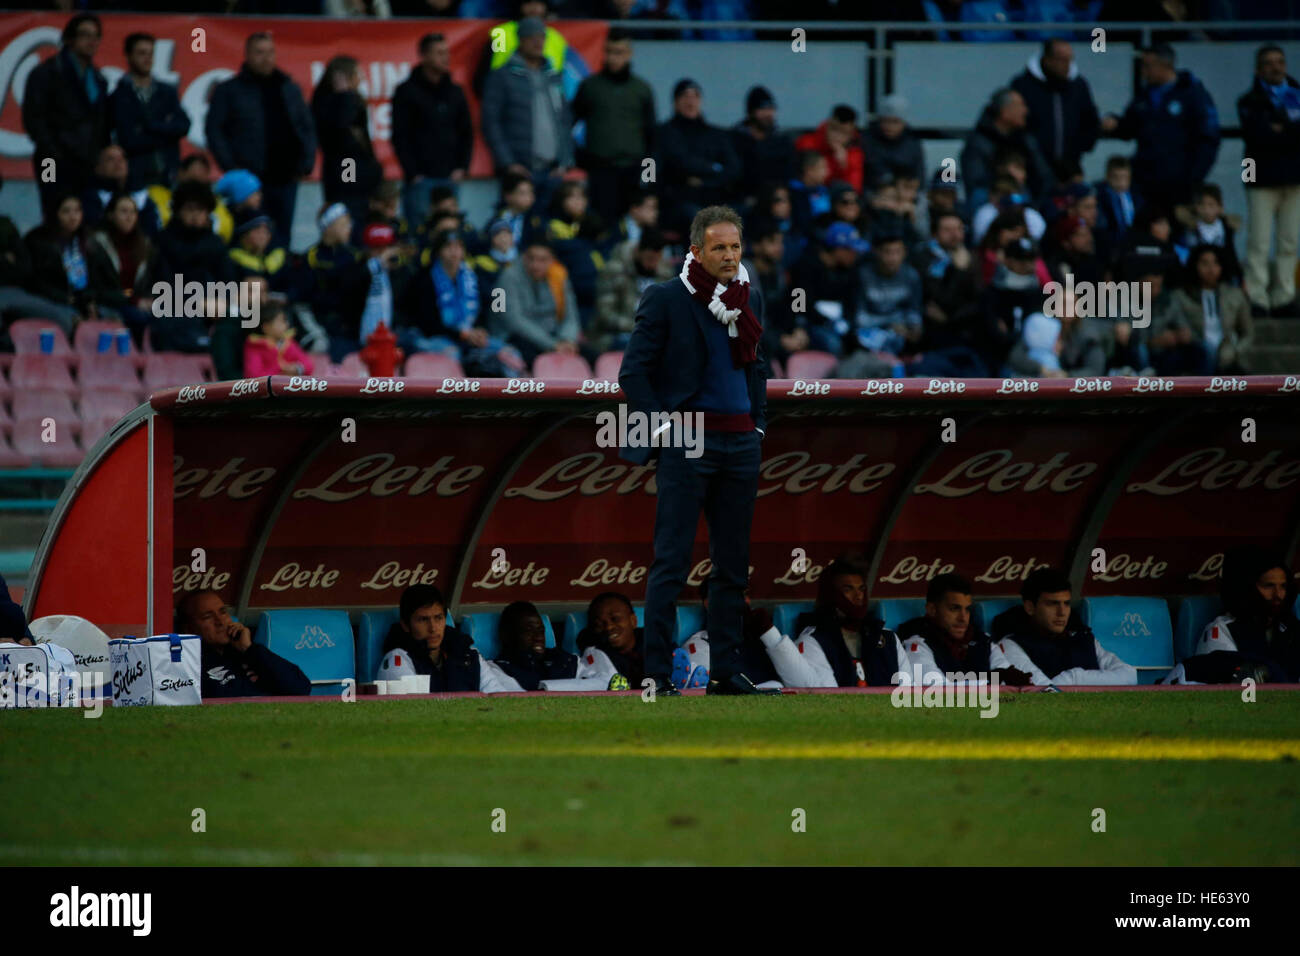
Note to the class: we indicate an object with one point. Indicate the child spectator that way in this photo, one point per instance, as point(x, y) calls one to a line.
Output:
point(1208, 226)
point(252, 254)
point(129, 254)
point(571, 233)
point(240, 190)
point(949, 282)
point(1042, 343)
point(331, 280)
point(1118, 205)
point(893, 211)
point(827, 272)
point(1211, 326)
point(1149, 239)
point(540, 315)
point(382, 207)
point(809, 195)
point(642, 214)
point(272, 350)
point(501, 251)
point(838, 142)
point(633, 267)
point(444, 204)
point(194, 168)
point(388, 282)
point(1005, 196)
point(188, 246)
point(517, 199)
point(773, 205)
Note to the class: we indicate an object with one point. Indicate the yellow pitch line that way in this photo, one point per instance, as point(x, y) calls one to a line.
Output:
point(1076, 749)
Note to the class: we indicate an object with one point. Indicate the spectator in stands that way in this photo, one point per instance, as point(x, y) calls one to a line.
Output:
point(642, 214)
point(1207, 225)
point(782, 335)
point(433, 135)
point(334, 278)
point(257, 120)
point(1210, 327)
point(66, 269)
point(1269, 113)
point(827, 274)
point(129, 255)
point(507, 40)
point(766, 153)
point(1002, 128)
point(1014, 294)
point(572, 232)
point(389, 280)
point(619, 109)
point(241, 191)
point(195, 168)
point(1062, 115)
point(1008, 227)
point(148, 119)
point(349, 170)
point(1149, 247)
point(698, 165)
point(940, 196)
point(633, 267)
point(846, 206)
point(501, 251)
point(1057, 346)
point(382, 209)
point(1118, 204)
point(893, 209)
point(944, 640)
point(889, 146)
point(612, 629)
point(17, 299)
point(110, 176)
point(442, 314)
point(810, 198)
point(233, 666)
point(65, 113)
point(1258, 635)
point(539, 316)
point(1074, 251)
point(949, 282)
point(773, 205)
point(1006, 196)
point(526, 121)
point(837, 140)
point(518, 199)
point(254, 256)
point(887, 313)
point(271, 350)
point(838, 644)
point(1176, 126)
point(1045, 639)
point(433, 647)
point(189, 247)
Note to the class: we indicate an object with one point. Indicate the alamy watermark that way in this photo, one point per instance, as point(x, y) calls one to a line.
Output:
point(955, 689)
point(197, 300)
point(1100, 300)
point(651, 430)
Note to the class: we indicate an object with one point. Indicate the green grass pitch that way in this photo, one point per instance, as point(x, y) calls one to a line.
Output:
point(1183, 778)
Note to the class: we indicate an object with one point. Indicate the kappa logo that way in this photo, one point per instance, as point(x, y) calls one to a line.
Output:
point(313, 639)
point(1132, 626)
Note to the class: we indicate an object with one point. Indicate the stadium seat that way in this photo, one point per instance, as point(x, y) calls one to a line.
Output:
point(173, 369)
point(810, 364)
point(894, 611)
point(98, 402)
point(109, 371)
point(95, 428)
point(690, 618)
point(1137, 629)
point(482, 630)
point(41, 371)
point(6, 390)
point(784, 616)
point(575, 621)
point(372, 630)
point(63, 452)
point(319, 642)
point(6, 421)
point(12, 459)
point(352, 366)
point(427, 367)
point(989, 608)
point(553, 366)
point(26, 336)
point(777, 371)
point(85, 340)
point(608, 364)
point(41, 403)
point(1193, 614)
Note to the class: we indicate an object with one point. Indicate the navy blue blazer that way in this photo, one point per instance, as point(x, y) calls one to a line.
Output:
point(664, 362)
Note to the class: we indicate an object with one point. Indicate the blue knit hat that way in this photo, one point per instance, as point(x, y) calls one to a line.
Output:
point(237, 185)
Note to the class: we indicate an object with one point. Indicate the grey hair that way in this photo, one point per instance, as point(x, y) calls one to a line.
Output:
point(711, 216)
point(1001, 97)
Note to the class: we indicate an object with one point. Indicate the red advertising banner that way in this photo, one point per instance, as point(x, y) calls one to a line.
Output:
point(194, 53)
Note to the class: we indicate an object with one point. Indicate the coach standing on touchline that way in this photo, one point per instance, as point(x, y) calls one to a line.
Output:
point(696, 348)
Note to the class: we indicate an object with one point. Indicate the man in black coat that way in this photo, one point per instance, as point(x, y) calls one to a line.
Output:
point(65, 112)
point(698, 163)
point(1002, 128)
point(258, 121)
point(432, 133)
point(232, 665)
point(1062, 114)
point(696, 349)
point(148, 120)
point(1269, 113)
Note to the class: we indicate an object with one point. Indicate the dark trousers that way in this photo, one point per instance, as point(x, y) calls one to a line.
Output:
point(278, 202)
point(723, 483)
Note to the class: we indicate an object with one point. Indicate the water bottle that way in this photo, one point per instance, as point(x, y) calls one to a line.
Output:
point(47, 341)
point(123, 342)
point(105, 342)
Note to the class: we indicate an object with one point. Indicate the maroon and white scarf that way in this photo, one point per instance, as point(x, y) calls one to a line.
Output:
point(729, 304)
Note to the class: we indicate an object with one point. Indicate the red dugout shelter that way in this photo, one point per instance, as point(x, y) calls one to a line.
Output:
point(301, 492)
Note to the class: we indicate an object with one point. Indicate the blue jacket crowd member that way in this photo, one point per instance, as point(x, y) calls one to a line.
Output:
point(232, 665)
point(696, 348)
point(945, 639)
point(1257, 635)
point(838, 644)
point(1046, 640)
point(446, 654)
point(1176, 127)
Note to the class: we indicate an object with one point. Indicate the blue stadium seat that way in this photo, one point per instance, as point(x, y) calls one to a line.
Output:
point(575, 621)
point(319, 642)
point(371, 632)
point(989, 608)
point(1135, 628)
point(894, 611)
point(784, 616)
point(1193, 614)
point(690, 618)
point(482, 630)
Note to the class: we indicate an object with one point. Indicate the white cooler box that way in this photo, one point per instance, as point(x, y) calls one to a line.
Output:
point(162, 670)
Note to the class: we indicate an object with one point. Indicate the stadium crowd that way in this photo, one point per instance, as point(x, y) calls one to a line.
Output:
point(841, 642)
point(868, 262)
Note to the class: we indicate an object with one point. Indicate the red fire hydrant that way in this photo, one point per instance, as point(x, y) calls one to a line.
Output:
point(381, 354)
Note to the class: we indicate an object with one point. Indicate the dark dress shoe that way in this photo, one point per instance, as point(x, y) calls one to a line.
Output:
point(740, 684)
point(664, 686)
